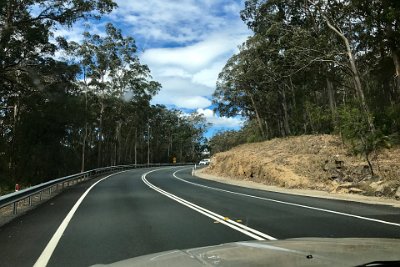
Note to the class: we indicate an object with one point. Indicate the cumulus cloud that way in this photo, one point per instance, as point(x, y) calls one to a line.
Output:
point(186, 44)
point(191, 70)
point(208, 76)
point(220, 122)
point(75, 33)
point(75, 36)
point(196, 56)
point(177, 21)
point(191, 102)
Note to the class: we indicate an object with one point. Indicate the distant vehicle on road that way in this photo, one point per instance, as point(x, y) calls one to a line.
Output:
point(204, 162)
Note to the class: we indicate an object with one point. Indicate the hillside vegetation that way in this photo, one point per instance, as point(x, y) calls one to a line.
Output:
point(320, 162)
point(314, 67)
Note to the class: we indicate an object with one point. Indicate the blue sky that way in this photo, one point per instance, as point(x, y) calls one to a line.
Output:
point(185, 43)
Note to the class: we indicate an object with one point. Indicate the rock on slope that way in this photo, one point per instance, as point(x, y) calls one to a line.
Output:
point(320, 162)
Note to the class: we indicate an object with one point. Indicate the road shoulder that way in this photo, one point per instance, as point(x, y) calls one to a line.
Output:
point(300, 192)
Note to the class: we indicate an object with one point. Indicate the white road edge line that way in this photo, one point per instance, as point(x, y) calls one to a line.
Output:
point(288, 203)
point(44, 258)
point(217, 217)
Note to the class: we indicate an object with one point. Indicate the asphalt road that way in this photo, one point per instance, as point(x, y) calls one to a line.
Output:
point(146, 211)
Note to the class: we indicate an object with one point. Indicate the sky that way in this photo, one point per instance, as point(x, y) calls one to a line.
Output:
point(185, 43)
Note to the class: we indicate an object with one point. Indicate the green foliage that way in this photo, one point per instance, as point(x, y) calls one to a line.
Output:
point(308, 63)
point(88, 110)
point(320, 118)
point(226, 140)
point(354, 127)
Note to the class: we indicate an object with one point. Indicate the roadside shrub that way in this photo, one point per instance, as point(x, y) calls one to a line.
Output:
point(354, 128)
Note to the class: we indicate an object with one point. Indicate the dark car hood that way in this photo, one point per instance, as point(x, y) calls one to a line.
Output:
point(291, 252)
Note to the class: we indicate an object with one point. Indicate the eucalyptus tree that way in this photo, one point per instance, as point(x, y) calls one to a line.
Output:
point(111, 69)
point(338, 17)
point(294, 42)
point(317, 67)
point(198, 126)
point(25, 46)
point(27, 67)
point(378, 30)
point(188, 136)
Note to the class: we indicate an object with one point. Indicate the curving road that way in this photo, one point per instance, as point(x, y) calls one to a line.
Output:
point(145, 211)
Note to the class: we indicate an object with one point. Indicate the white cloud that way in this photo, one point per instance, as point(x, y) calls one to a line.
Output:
point(220, 122)
point(178, 21)
point(76, 35)
point(197, 56)
point(177, 86)
point(190, 71)
point(75, 32)
point(191, 102)
point(233, 8)
point(209, 76)
point(186, 44)
point(172, 72)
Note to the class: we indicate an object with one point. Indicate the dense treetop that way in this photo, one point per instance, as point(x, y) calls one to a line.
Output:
point(315, 66)
point(87, 109)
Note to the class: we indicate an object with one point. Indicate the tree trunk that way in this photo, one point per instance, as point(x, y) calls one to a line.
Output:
point(305, 122)
point(291, 87)
point(267, 130)
point(100, 137)
point(135, 145)
point(356, 75)
point(285, 113)
point(117, 143)
point(181, 153)
point(332, 102)
point(12, 159)
point(257, 116)
point(128, 146)
point(310, 119)
point(168, 147)
point(148, 144)
point(396, 61)
point(84, 148)
point(281, 128)
point(86, 131)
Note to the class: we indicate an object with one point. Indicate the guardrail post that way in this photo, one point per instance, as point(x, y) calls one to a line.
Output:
point(30, 201)
point(15, 208)
point(40, 195)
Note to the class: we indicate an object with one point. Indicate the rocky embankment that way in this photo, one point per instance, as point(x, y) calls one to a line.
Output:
point(320, 162)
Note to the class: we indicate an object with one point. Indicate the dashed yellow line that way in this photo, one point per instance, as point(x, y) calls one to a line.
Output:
point(227, 219)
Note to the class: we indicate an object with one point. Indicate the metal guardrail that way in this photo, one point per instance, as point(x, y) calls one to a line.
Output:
point(53, 185)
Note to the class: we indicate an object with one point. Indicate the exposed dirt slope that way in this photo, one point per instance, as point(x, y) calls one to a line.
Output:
point(320, 162)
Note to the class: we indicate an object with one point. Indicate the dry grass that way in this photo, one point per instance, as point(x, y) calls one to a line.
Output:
point(305, 162)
